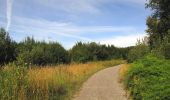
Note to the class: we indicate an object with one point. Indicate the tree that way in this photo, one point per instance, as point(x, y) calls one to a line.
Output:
point(138, 52)
point(7, 47)
point(80, 53)
point(159, 25)
point(42, 53)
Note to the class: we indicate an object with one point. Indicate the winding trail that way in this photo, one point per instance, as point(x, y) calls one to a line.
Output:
point(103, 85)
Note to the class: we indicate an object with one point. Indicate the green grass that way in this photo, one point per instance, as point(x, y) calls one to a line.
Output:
point(149, 79)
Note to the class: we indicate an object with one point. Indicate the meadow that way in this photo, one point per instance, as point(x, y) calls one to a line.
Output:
point(47, 82)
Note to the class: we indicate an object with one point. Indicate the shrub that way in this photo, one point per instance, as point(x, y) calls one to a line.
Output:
point(138, 52)
point(167, 51)
point(148, 79)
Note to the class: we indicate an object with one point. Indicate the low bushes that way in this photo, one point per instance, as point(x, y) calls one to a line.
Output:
point(148, 79)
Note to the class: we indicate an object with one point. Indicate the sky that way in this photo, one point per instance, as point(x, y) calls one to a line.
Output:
point(111, 22)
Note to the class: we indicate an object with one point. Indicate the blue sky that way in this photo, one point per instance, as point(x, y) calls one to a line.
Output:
point(117, 22)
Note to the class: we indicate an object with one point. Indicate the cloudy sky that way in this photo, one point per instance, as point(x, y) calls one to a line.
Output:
point(117, 22)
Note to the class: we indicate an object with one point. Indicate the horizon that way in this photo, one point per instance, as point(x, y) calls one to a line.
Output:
point(110, 22)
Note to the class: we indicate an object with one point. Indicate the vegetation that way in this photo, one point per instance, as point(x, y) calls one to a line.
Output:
point(83, 52)
point(35, 70)
point(123, 71)
point(148, 79)
point(7, 47)
point(41, 53)
point(32, 70)
point(47, 83)
point(34, 52)
point(159, 27)
point(139, 51)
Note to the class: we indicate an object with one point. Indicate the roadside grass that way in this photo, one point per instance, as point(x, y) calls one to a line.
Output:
point(49, 82)
point(123, 71)
point(149, 79)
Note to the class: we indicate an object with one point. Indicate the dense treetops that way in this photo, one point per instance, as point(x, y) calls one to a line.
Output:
point(7, 47)
point(30, 51)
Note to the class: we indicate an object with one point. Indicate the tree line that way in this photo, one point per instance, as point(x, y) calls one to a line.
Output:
point(33, 52)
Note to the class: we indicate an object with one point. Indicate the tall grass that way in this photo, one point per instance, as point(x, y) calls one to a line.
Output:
point(123, 71)
point(47, 83)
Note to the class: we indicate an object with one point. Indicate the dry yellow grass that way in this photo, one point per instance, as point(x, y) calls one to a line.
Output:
point(47, 82)
point(123, 71)
point(63, 78)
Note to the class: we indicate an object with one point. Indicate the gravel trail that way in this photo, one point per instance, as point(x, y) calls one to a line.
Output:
point(103, 85)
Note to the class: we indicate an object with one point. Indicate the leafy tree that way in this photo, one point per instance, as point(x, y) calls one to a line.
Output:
point(80, 53)
point(138, 52)
point(159, 25)
point(42, 53)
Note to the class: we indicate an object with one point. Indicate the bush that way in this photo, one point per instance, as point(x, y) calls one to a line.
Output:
point(138, 52)
point(148, 79)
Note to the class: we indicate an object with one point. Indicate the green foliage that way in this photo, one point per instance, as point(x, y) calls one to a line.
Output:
point(13, 82)
point(83, 52)
point(167, 51)
point(41, 53)
point(32, 52)
point(158, 27)
point(138, 52)
point(7, 47)
point(80, 53)
point(148, 79)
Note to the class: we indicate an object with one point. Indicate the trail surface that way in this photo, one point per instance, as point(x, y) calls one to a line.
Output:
point(103, 85)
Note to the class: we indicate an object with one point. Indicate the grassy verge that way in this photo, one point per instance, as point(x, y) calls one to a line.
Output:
point(123, 71)
point(149, 79)
point(47, 83)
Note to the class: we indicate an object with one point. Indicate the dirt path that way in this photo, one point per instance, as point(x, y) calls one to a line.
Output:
point(103, 85)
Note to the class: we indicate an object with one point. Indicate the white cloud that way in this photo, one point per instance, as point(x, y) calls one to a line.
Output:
point(81, 6)
point(70, 6)
point(123, 41)
point(43, 28)
point(51, 31)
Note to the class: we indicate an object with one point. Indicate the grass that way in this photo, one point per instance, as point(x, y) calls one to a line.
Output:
point(149, 79)
point(47, 83)
point(123, 71)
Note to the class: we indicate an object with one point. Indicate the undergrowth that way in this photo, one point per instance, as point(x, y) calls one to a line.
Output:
point(149, 79)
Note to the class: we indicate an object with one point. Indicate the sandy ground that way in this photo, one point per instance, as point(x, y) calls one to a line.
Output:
point(103, 85)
